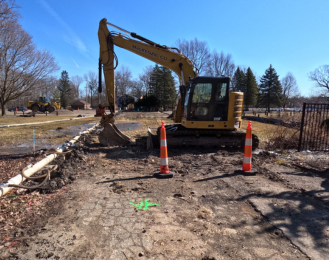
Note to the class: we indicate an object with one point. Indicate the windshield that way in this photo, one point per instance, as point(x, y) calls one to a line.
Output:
point(47, 100)
point(202, 93)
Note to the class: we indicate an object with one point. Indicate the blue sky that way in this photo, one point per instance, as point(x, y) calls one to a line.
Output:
point(292, 35)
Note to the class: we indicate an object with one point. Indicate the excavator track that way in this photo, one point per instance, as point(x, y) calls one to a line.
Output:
point(177, 135)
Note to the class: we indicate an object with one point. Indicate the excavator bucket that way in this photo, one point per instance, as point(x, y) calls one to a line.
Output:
point(111, 135)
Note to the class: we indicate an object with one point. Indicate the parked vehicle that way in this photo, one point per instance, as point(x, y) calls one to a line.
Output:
point(18, 109)
point(43, 105)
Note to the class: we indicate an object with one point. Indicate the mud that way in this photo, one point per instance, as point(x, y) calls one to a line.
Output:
point(26, 146)
point(133, 126)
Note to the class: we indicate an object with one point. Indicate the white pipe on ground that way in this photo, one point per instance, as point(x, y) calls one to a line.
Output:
point(39, 165)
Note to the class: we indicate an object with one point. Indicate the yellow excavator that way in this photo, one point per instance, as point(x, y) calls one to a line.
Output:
point(206, 113)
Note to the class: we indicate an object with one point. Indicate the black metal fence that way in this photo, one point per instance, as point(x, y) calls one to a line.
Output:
point(313, 136)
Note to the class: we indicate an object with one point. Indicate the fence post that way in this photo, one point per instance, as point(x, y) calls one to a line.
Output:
point(301, 128)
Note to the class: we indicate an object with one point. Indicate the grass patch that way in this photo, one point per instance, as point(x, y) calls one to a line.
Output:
point(12, 135)
point(273, 137)
point(12, 120)
point(145, 123)
point(277, 137)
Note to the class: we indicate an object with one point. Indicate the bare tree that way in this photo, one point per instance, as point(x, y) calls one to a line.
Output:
point(76, 82)
point(137, 88)
point(289, 88)
point(22, 65)
point(122, 81)
point(145, 78)
point(197, 51)
point(46, 85)
point(320, 76)
point(92, 84)
point(7, 11)
point(220, 64)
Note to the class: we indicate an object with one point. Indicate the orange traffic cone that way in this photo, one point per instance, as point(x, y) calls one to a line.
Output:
point(164, 169)
point(246, 166)
point(16, 111)
point(142, 118)
point(247, 150)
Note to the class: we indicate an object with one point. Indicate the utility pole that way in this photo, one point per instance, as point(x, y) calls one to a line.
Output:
point(86, 94)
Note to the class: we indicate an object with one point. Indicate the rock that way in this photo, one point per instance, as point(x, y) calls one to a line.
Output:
point(53, 184)
point(72, 177)
point(66, 181)
point(59, 183)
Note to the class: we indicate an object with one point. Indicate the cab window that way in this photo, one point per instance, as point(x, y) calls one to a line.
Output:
point(202, 93)
point(220, 94)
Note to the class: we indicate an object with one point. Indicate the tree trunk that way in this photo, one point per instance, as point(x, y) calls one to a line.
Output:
point(3, 109)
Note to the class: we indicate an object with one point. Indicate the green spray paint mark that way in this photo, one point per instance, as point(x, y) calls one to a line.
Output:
point(147, 205)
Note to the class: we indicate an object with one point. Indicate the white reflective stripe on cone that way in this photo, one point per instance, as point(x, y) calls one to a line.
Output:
point(163, 142)
point(247, 160)
point(164, 161)
point(248, 142)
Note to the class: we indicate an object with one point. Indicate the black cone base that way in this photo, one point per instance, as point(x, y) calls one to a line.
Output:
point(247, 173)
point(164, 175)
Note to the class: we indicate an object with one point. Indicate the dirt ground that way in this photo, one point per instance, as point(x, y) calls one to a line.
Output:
point(113, 207)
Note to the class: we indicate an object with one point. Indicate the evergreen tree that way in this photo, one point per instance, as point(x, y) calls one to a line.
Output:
point(238, 80)
point(64, 88)
point(270, 89)
point(251, 90)
point(163, 86)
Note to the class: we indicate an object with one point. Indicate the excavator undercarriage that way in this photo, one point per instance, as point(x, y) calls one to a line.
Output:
point(178, 136)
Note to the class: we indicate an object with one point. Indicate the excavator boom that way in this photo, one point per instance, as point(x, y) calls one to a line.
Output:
point(147, 49)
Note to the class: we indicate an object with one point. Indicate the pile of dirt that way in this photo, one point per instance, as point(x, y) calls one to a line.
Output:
point(70, 166)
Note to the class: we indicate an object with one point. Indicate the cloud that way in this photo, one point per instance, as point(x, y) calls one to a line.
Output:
point(76, 64)
point(72, 38)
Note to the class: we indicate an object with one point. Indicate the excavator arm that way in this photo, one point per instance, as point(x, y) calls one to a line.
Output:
point(159, 54)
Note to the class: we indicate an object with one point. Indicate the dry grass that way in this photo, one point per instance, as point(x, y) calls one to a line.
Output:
point(13, 135)
point(145, 123)
point(276, 114)
point(274, 137)
point(11, 120)
point(263, 131)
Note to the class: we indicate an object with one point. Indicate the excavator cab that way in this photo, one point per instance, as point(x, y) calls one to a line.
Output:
point(44, 100)
point(206, 99)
